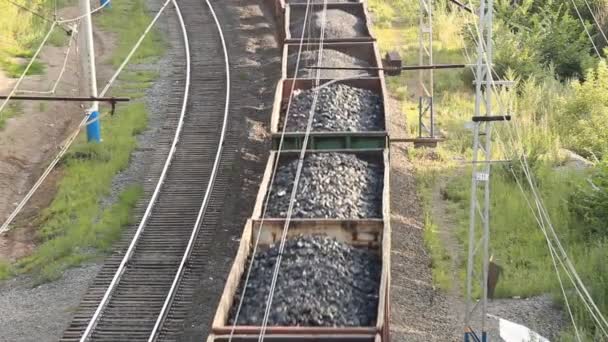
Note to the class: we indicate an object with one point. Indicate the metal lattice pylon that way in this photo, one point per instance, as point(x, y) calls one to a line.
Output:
point(479, 229)
point(426, 112)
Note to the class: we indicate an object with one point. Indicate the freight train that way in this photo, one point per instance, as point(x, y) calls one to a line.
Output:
point(333, 282)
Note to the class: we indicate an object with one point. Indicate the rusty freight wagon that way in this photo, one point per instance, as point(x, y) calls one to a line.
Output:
point(339, 136)
point(370, 233)
point(344, 22)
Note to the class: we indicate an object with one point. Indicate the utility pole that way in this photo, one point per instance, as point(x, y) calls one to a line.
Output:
point(87, 53)
point(479, 234)
point(426, 111)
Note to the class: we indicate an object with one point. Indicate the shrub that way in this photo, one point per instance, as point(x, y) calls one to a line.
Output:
point(583, 123)
point(589, 203)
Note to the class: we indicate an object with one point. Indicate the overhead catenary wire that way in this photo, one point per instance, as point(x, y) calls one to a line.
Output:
point(93, 11)
point(207, 197)
point(597, 22)
point(568, 266)
point(467, 56)
point(27, 68)
point(580, 17)
point(296, 178)
point(275, 166)
point(70, 140)
point(92, 323)
point(31, 11)
point(63, 67)
point(553, 256)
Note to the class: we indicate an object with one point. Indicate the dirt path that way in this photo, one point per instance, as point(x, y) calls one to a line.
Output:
point(42, 313)
point(30, 140)
point(442, 216)
point(419, 311)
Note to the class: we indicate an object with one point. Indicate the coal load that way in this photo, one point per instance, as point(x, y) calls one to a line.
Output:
point(339, 107)
point(332, 185)
point(339, 24)
point(321, 282)
point(330, 58)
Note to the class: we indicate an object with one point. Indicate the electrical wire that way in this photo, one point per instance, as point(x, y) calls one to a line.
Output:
point(275, 166)
point(65, 21)
point(296, 178)
point(82, 124)
point(24, 73)
point(134, 49)
point(597, 22)
point(29, 10)
point(568, 267)
point(580, 17)
point(63, 68)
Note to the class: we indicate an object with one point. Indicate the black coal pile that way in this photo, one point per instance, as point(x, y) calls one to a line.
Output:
point(322, 282)
point(339, 107)
point(338, 24)
point(330, 58)
point(332, 185)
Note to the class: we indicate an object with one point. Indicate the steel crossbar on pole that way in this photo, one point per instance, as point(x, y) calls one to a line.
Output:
point(479, 227)
point(426, 111)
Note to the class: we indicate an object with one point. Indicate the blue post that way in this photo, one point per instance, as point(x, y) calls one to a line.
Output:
point(94, 128)
point(105, 3)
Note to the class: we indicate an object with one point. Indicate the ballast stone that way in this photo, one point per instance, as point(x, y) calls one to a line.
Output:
point(339, 107)
point(322, 282)
point(332, 185)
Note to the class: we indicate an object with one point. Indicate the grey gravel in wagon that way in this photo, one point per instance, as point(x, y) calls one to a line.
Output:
point(330, 58)
point(322, 282)
point(339, 107)
point(332, 185)
point(339, 24)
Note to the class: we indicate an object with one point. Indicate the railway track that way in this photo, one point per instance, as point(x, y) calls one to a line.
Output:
point(142, 292)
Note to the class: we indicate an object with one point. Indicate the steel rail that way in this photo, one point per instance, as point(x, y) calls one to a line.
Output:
point(140, 228)
point(201, 214)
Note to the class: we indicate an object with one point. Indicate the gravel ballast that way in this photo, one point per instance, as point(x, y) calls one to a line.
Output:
point(339, 24)
point(339, 108)
point(321, 282)
point(332, 185)
point(331, 58)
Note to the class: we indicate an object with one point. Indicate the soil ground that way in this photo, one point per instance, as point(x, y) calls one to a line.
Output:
point(42, 313)
point(30, 140)
point(419, 310)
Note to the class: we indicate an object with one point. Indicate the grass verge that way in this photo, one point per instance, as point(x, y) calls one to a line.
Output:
point(10, 111)
point(546, 110)
point(75, 227)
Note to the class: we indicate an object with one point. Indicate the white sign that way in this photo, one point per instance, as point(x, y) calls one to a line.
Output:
point(482, 176)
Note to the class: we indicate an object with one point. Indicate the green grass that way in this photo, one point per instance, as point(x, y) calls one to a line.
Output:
point(441, 259)
point(75, 228)
point(11, 110)
point(6, 270)
point(135, 13)
point(15, 70)
point(539, 105)
point(68, 227)
point(21, 33)
point(58, 38)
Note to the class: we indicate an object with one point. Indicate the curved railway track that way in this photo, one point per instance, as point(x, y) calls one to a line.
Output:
point(139, 294)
